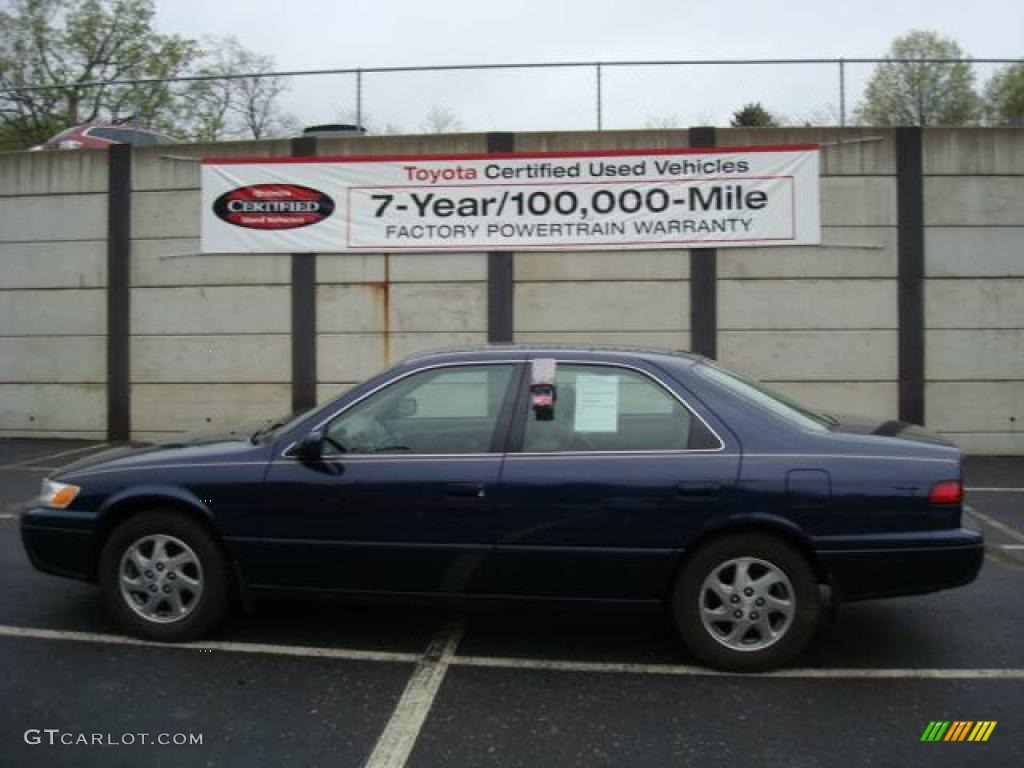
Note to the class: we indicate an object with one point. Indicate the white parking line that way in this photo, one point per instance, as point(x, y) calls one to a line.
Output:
point(448, 639)
point(993, 523)
point(316, 652)
point(399, 736)
point(6, 516)
point(970, 489)
point(49, 456)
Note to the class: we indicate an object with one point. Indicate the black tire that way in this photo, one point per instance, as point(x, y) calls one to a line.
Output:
point(708, 644)
point(209, 607)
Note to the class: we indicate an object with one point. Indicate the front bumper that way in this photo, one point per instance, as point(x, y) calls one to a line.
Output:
point(891, 565)
point(59, 542)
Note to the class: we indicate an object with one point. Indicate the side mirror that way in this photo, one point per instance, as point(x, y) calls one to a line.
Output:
point(310, 447)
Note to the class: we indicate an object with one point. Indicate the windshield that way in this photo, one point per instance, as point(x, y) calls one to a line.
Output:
point(762, 396)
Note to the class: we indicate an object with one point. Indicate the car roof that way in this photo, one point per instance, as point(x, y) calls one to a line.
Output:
point(532, 351)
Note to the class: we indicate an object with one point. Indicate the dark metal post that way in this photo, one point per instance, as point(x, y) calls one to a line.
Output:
point(500, 270)
point(119, 259)
point(600, 116)
point(703, 278)
point(303, 310)
point(842, 93)
point(359, 98)
point(910, 273)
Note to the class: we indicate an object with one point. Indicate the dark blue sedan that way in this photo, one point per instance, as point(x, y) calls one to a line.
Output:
point(583, 476)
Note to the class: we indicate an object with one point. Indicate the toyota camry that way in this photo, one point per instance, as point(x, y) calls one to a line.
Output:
point(565, 475)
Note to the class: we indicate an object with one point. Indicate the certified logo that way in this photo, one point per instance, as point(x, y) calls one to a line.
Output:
point(273, 206)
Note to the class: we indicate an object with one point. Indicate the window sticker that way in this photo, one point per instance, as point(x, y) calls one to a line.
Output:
point(597, 403)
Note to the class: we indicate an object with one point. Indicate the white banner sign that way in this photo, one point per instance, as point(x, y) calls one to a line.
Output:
point(637, 199)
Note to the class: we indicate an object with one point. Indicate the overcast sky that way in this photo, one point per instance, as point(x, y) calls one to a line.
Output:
point(314, 34)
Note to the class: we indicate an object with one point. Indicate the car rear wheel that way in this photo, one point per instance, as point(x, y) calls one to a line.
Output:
point(163, 577)
point(746, 603)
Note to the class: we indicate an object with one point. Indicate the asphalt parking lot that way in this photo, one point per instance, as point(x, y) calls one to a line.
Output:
point(325, 684)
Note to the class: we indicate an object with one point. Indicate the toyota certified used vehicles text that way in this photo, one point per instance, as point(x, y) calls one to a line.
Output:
point(576, 475)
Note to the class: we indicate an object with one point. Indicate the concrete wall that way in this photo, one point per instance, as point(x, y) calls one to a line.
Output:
point(210, 337)
point(974, 291)
point(53, 273)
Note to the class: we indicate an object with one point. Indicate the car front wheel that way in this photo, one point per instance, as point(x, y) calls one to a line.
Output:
point(746, 603)
point(163, 577)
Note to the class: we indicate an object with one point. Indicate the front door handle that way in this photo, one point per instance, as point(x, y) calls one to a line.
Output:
point(698, 489)
point(465, 491)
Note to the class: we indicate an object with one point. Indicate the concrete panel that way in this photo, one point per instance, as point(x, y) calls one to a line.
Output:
point(155, 168)
point(254, 358)
point(224, 309)
point(811, 355)
point(867, 398)
point(570, 141)
point(971, 303)
point(974, 251)
point(172, 213)
point(988, 444)
point(618, 306)
point(845, 151)
point(844, 252)
point(811, 304)
point(351, 308)
point(350, 356)
point(974, 355)
point(419, 144)
point(70, 312)
point(202, 407)
point(329, 391)
point(177, 262)
point(975, 406)
point(973, 151)
point(402, 345)
point(863, 201)
point(53, 172)
point(352, 268)
point(53, 407)
point(436, 267)
point(437, 307)
point(951, 201)
point(53, 359)
point(69, 264)
point(678, 340)
point(54, 217)
point(602, 265)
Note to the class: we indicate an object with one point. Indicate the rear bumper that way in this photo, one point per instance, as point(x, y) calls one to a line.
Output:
point(58, 543)
point(861, 568)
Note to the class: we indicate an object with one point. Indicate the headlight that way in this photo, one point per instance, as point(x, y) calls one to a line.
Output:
point(57, 495)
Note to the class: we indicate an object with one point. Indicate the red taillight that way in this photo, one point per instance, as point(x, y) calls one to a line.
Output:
point(947, 492)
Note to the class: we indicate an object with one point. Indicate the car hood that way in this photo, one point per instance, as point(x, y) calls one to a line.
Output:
point(852, 424)
point(200, 446)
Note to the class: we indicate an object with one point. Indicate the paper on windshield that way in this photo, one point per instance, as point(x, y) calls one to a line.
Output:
point(597, 403)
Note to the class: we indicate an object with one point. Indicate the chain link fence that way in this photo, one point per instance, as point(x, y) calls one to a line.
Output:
point(565, 96)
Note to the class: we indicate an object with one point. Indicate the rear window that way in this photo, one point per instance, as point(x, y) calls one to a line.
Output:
point(765, 398)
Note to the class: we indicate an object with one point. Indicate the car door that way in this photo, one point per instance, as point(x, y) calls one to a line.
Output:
point(402, 497)
point(596, 502)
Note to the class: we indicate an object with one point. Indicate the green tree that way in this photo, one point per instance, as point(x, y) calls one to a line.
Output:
point(1004, 96)
point(753, 116)
point(237, 107)
point(46, 42)
point(918, 91)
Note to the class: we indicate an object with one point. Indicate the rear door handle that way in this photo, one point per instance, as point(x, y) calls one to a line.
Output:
point(465, 491)
point(698, 490)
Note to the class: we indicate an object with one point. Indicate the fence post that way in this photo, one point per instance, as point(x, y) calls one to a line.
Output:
point(910, 273)
point(600, 117)
point(842, 93)
point(119, 291)
point(703, 278)
point(500, 270)
point(359, 98)
point(303, 310)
